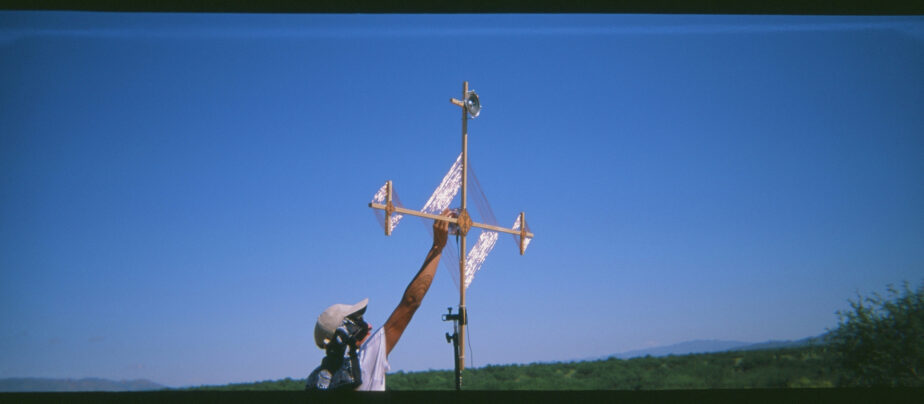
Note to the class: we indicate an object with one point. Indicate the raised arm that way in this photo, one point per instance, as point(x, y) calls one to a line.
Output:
point(418, 287)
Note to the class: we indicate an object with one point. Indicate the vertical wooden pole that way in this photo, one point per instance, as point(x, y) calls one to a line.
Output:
point(462, 247)
point(388, 205)
point(522, 233)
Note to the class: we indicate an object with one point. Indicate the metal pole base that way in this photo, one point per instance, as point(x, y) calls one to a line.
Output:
point(454, 339)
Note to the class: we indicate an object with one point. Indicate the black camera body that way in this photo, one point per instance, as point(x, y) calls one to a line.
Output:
point(355, 329)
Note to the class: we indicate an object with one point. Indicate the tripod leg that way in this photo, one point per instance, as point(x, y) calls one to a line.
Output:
point(455, 345)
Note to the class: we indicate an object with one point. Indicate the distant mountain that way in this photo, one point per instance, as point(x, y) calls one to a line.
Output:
point(684, 348)
point(86, 384)
point(710, 346)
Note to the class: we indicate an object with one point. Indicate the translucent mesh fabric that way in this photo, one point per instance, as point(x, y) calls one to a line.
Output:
point(379, 197)
point(444, 196)
point(516, 238)
point(482, 213)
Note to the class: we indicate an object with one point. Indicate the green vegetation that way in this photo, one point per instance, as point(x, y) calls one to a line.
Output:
point(286, 384)
point(794, 367)
point(877, 343)
point(880, 342)
point(799, 367)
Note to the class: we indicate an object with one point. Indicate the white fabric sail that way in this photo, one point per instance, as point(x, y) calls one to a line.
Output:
point(440, 200)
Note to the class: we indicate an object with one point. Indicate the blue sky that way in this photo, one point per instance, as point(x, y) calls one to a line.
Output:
point(182, 195)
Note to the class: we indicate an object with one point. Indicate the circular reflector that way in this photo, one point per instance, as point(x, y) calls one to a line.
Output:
point(472, 105)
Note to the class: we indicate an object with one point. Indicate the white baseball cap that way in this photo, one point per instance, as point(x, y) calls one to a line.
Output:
point(332, 317)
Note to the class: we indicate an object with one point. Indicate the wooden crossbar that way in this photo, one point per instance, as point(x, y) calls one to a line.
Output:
point(379, 206)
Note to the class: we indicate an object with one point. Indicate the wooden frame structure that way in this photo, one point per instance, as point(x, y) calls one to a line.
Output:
point(465, 223)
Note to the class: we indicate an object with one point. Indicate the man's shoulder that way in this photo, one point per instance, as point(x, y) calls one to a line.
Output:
point(377, 338)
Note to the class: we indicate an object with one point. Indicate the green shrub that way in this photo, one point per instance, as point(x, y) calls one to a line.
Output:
point(880, 342)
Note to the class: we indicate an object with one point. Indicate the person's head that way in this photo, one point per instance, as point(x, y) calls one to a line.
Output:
point(348, 318)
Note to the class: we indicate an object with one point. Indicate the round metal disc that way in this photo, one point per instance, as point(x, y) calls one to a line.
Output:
point(472, 105)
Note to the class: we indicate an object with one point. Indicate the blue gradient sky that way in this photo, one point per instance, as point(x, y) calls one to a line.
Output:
point(181, 195)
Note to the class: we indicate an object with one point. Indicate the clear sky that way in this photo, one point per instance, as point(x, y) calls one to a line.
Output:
point(182, 195)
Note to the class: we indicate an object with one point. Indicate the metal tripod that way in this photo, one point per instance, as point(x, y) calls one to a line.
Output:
point(457, 319)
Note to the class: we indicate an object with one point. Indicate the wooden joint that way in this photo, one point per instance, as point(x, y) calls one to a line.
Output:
point(389, 208)
point(465, 222)
point(457, 102)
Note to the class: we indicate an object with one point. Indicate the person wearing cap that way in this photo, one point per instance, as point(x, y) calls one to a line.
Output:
point(372, 348)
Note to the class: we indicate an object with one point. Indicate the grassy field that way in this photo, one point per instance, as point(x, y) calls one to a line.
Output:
point(776, 368)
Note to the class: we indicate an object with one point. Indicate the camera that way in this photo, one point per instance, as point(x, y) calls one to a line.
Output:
point(354, 330)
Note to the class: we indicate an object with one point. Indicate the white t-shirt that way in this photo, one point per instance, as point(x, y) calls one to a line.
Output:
point(373, 362)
